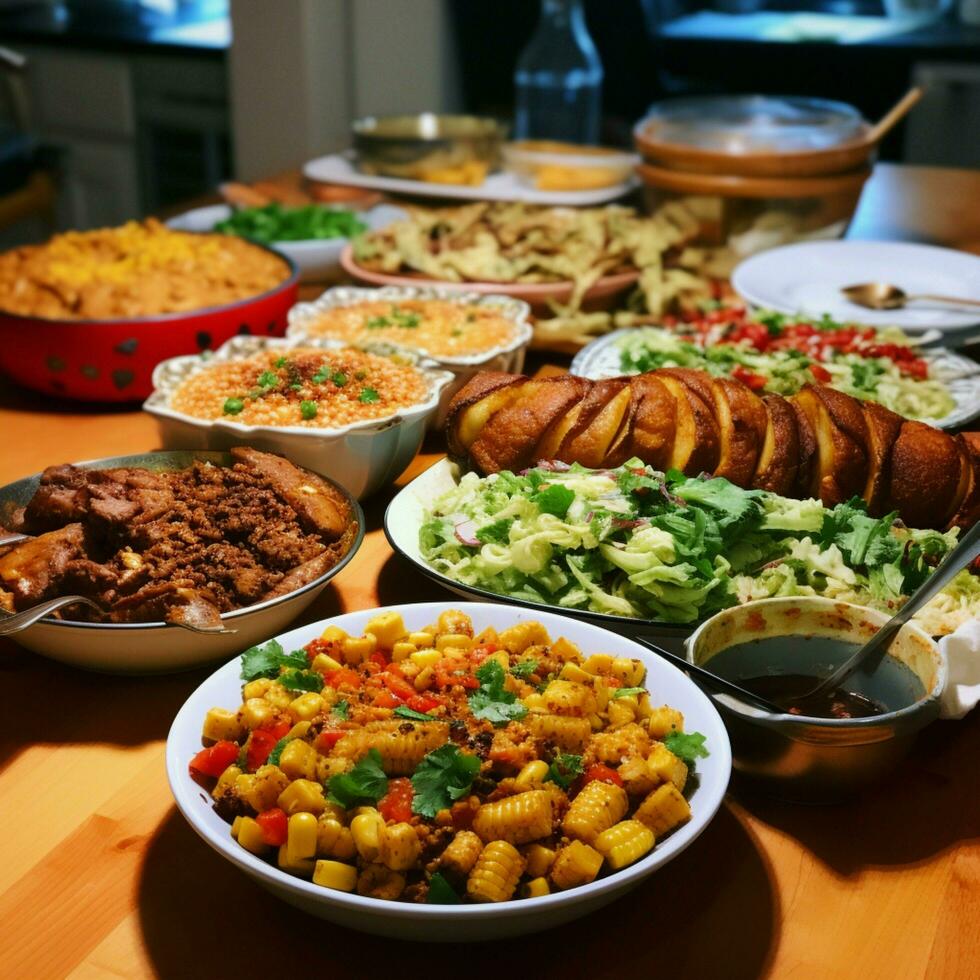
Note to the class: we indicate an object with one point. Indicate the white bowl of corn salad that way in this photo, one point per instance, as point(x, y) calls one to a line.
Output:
point(460, 330)
point(476, 914)
point(356, 416)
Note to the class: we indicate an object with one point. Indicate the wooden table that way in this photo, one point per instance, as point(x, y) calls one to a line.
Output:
point(101, 877)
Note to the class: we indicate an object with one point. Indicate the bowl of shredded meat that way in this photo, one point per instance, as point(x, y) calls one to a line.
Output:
point(188, 557)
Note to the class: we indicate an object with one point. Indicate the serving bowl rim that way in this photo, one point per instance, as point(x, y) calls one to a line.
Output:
point(930, 698)
point(149, 319)
point(184, 788)
point(215, 457)
point(517, 311)
point(188, 365)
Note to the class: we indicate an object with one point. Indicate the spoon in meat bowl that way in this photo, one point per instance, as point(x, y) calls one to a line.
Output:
point(965, 552)
point(885, 296)
point(15, 622)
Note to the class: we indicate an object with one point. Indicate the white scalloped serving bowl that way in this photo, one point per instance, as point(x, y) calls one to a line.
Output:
point(362, 457)
point(455, 923)
point(505, 357)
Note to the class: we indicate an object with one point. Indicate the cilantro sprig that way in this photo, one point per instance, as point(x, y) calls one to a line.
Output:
point(442, 777)
point(365, 783)
point(525, 668)
point(441, 892)
point(687, 746)
point(628, 692)
point(492, 701)
point(301, 680)
point(402, 711)
point(564, 768)
point(267, 661)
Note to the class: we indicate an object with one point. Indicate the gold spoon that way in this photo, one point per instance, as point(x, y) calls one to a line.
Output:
point(885, 296)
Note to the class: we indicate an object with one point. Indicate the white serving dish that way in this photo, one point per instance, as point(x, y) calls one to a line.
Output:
point(460, 923)
point(340, 168)
point(507, 357)
point(155, 648)
point(809, 276)
point(362, 456)
point(600, 359)
point(317, 259)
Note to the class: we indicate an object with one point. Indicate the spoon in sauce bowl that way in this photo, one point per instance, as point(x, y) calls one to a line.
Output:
point(955, 561)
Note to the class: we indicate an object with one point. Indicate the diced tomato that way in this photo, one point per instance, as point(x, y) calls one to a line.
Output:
point(446, 678)
point(328, 738)
point(613, 682)
point(915, 369)
point(380, 659)
point(422, 702)
point(385, 699)
point(397, 685)
point(820, 373)
point(602, 774)
point(274, 824)
point(315, 647)
point(396, 804)
point(260, 744)
point(213, 761)
point(345, 677)
point(754, 381)
point(480, 653)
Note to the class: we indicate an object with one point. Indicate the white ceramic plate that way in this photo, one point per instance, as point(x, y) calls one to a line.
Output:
point(600, 359)
point(809, 276)
point(340, 168)
point(316, 259)
point(460, 923)
point(403, 518)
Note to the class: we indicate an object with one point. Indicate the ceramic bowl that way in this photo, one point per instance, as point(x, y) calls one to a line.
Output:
point(819, 760)
point(461, 923)
point(363, 456)
point(317, 259)
point(505, 357)
point(154, 648)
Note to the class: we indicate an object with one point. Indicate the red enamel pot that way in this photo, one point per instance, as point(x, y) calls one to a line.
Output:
point(113, 360)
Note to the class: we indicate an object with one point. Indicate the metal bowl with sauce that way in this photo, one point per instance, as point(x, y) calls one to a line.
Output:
point(817, 759)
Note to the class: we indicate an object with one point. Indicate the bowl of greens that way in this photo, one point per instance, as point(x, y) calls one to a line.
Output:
point(312, 235)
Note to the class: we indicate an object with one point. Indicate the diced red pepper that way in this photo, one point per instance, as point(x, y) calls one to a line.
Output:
point(379, 659)
point(602, 774)
point(397, 685)
point(345, 677)
point(396, 804)
point(261, 742)
point(315, 647)
point(820, 373)
point(213, 761)
point(385, 699)
point(749, 378)
point(274, 824)
point(613, 682)
point(447, 678)
point(422, 702)
point(328, 738)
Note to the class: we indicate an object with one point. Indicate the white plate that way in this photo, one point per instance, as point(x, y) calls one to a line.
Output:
point(403, 518)
point(317, 259)
point(460, 923)
point(808, 277)
point(504, 186)
point(600, 359)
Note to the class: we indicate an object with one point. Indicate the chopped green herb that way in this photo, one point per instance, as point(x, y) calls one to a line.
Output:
point(441, 892)
point(341, 709)
point(276, 753)
point(368, 395)
point(267, 660)
point(496, 533)
point(365, 783)
point(441, 778)
point(492, 701)
point(563, 769)
point(377, 323)
point(554, 499)
point(687, 746)
point(628, 692)
point(525, 668)
point(280, 362)
point(232, 406)
point(295, 386)
point(307, 409)
point(301, 680)
point(456, 333)
point(403, 712)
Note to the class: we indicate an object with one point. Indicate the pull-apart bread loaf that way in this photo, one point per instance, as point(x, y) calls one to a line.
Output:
point(817, 443)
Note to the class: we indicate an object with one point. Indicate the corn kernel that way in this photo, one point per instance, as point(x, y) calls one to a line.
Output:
point(219, 723)
point(531, 775)
point(302, 796)
point(402, 650)
point(535, 888)
point(665, 767)
point(226, 782)
point(426, 657)
point(572, 672)
point(388, 628)
point(333, 839)
point(400, 847)
point(664, 720)
point(424, 678)
point(489, 635)
point(368, 829)
point(299, 730)
point(301, 837)
point(306, 707)
point(333, 634)
point(257, 712)
point(620, 713)
point(236, 825)
point(453, 641)
point(598, 663)
point(421, 639)
point(250, 836)
point(324, 664)
point(278, 696)
point(302, 866)
point(298, 760)
point(256, 688)
point(630, 672)
point(534, 702)
point(539, 860)
point(565, 650)
point(333, 874)
point(263, 788)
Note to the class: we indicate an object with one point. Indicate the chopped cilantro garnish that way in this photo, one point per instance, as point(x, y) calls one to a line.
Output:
point(563, 769)
point(341, 709)
point(377, 323)
point(307, 410)
point(232, 406)
point(295, 386)
point(441, 892)
point(368, 395)
point(276, 752)
point(407, 320)
point(301, 680)
point(525, 668)
point(492, 701)
point(628, 692)
point(687, 746)
point(267, 660)
point(403, 712)
point(280, 362)
point(554, 499)
point(365, 783)
point(442, 777)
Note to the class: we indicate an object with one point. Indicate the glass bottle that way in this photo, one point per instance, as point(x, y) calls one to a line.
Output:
point(558, 79)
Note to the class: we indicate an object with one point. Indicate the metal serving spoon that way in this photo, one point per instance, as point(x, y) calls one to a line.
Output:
point(21, 621)
point(965, 552)
point(706, 678)
point(885, 296)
